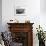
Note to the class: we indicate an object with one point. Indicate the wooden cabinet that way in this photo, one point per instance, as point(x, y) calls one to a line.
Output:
point(22, 33)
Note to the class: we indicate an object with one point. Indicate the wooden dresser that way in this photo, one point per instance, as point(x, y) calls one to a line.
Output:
point(22, 33)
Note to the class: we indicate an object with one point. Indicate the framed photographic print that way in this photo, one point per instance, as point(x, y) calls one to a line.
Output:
point(20, 11)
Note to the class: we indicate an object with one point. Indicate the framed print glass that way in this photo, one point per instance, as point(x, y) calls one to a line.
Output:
point(20, 11)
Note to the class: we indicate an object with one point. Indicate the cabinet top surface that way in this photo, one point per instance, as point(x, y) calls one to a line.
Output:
point(19, 23)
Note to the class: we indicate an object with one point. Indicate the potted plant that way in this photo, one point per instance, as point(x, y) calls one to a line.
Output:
point(41, 36)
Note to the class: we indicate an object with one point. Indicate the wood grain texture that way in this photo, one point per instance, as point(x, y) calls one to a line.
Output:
point(23, 27)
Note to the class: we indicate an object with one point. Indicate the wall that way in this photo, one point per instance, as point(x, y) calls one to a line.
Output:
point(43, 6)
point(0, 15)
point(8, 10)
point(32, 13)
point(43, 14)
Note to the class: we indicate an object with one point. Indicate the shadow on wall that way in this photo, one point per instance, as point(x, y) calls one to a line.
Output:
point(0, 15)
